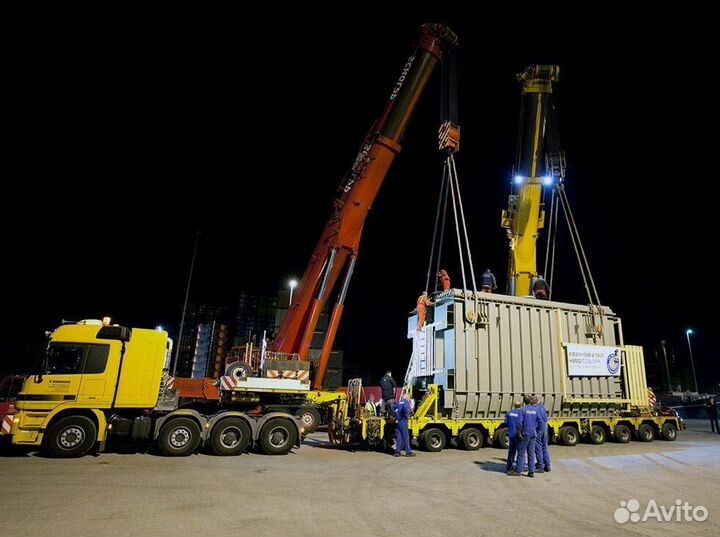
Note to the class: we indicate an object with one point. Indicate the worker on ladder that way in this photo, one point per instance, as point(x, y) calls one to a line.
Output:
point(422, 303)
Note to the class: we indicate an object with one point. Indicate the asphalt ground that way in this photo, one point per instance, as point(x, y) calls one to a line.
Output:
point(319, 490)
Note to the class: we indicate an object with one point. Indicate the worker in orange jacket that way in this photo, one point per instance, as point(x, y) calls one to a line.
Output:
point(422, 303)
point(444, 280)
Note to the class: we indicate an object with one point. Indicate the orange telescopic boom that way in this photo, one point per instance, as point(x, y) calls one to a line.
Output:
point(337, 248)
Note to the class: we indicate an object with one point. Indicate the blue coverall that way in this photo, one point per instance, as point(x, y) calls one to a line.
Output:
point(402, 435)
point(527, 444)
point(514, 421)
point(542, 454)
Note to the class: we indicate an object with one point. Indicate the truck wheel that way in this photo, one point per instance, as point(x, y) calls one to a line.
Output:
point(622, 433)
point(230, 436)
point(668, 431)
point(598, 435)
point(238, 370)
point(179, 438)
point(471, 439)
point(278, 436)
point(433, 440)
point(502, 438)
point(569, 435)
point(645, 433)
point(73, 436)
point(310, 418)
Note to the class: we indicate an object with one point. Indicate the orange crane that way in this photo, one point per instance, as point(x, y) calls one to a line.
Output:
point(338, 246)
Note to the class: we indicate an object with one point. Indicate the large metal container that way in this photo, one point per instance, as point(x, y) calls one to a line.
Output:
point(487, 350)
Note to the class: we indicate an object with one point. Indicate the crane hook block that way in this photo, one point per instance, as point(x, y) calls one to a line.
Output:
point(449, 137)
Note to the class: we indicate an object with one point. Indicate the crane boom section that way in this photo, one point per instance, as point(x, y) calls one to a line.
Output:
point(340, 239)
point(524, 216)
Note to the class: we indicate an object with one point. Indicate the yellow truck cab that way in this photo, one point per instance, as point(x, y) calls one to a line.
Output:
point(99, 380)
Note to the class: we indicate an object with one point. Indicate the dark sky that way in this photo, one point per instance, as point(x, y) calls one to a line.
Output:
point(130, 132)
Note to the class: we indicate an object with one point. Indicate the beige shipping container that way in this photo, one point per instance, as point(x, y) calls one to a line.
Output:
point(487, 350)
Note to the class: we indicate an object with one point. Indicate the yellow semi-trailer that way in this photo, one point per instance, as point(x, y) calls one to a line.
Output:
point(481, 352)
point(100, 381)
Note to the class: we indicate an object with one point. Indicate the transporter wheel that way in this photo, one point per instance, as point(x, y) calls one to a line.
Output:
point(668, 431)
point(471, 439)
point(310, 418)
point(278, 436)
point(502, 438)
point(238, 370)
point(433, 440)
point(622, 433)
point(569, 435)
point(645, 432)
point(179, 437)
point(69, 437)
point(598, 435)
point(230, 436)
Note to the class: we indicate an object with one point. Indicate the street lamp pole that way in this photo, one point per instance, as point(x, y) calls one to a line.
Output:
point(293, 285)
point(667, 367)
point(692, 362)
point(187, 295)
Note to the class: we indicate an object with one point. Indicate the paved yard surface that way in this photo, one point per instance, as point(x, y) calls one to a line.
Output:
point(319, 491)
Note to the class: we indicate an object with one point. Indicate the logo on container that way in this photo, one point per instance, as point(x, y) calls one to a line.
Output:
point(613, 362)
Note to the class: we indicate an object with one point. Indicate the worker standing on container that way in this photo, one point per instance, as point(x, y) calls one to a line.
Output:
point(402, 433)
point(444, 280)
point(513, 420)
point(388, 385)
point(540, 288)
point(542, 454)
point(529, 434)
point(422, 303)
point(487, 282)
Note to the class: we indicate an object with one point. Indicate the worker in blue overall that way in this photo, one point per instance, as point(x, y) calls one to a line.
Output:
point(542, 454)
point(529, 434)
point(514, 421)
point(403, 411)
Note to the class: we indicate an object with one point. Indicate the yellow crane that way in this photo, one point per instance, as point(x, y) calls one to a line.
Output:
point(525, 216)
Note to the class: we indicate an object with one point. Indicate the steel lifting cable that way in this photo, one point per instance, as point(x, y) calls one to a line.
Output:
point(454, 175)
point(550, 239)
point(459, 213)
point(554, 223)
point(578, 247)
point(441, 197)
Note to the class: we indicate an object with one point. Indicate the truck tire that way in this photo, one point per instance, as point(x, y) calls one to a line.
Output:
point(179, 437)
point(502, 438)
point(668, 431)
point(238, 370)
point(597, 435)
point(433, 440)
point(310, 418)
point(622, 433)
point(72, 436)
point(277, 436)
point(569, 435)
point(471, 439)
point(645, 433)
point(230, 436)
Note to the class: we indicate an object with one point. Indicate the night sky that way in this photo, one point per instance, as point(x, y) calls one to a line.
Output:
point(128, 133)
